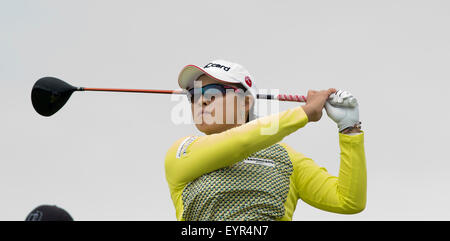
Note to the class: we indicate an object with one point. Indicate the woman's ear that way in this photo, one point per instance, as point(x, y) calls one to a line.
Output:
point(249, 101)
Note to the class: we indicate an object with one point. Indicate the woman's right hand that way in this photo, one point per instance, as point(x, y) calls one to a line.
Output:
point(315, 102)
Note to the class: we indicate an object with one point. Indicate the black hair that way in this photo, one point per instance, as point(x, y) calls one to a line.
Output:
point(241, 86)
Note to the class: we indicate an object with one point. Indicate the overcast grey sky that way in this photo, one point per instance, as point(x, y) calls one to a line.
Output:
point(102, 156)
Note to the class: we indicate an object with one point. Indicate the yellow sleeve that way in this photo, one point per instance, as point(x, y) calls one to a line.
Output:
point(212, 152)
point(345, 194)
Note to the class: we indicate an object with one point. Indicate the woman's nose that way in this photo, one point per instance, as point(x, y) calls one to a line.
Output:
point(206, 101)
point(201, 101)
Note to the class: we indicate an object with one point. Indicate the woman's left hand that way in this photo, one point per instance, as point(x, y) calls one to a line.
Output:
point(342, 107)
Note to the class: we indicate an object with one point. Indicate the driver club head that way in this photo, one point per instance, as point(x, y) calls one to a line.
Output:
point(49, 94)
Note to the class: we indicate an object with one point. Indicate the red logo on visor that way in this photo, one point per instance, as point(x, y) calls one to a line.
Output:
point(248, 81)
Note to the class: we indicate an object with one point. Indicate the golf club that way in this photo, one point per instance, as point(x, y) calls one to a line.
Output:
point(50, 94)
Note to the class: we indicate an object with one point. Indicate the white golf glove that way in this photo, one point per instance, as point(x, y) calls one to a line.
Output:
point(343, 109)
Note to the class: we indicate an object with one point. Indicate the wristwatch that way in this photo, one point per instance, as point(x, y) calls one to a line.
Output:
point(357, 125)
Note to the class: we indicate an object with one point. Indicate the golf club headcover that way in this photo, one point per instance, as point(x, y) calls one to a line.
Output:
point(48, 213)
point(342, 107)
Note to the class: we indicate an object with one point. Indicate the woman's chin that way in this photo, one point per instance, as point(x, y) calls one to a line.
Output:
point(213, 128)
point(208, 128)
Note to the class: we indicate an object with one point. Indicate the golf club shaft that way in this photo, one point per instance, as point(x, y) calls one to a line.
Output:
point(133, 90)
point(281, 97)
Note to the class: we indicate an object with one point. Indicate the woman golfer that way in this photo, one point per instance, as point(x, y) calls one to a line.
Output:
point(237, 171)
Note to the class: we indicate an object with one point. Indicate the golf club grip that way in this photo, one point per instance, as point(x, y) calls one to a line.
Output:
point(294, 98)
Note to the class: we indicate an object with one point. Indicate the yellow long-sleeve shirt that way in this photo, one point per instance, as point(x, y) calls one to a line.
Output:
point(243, 174)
